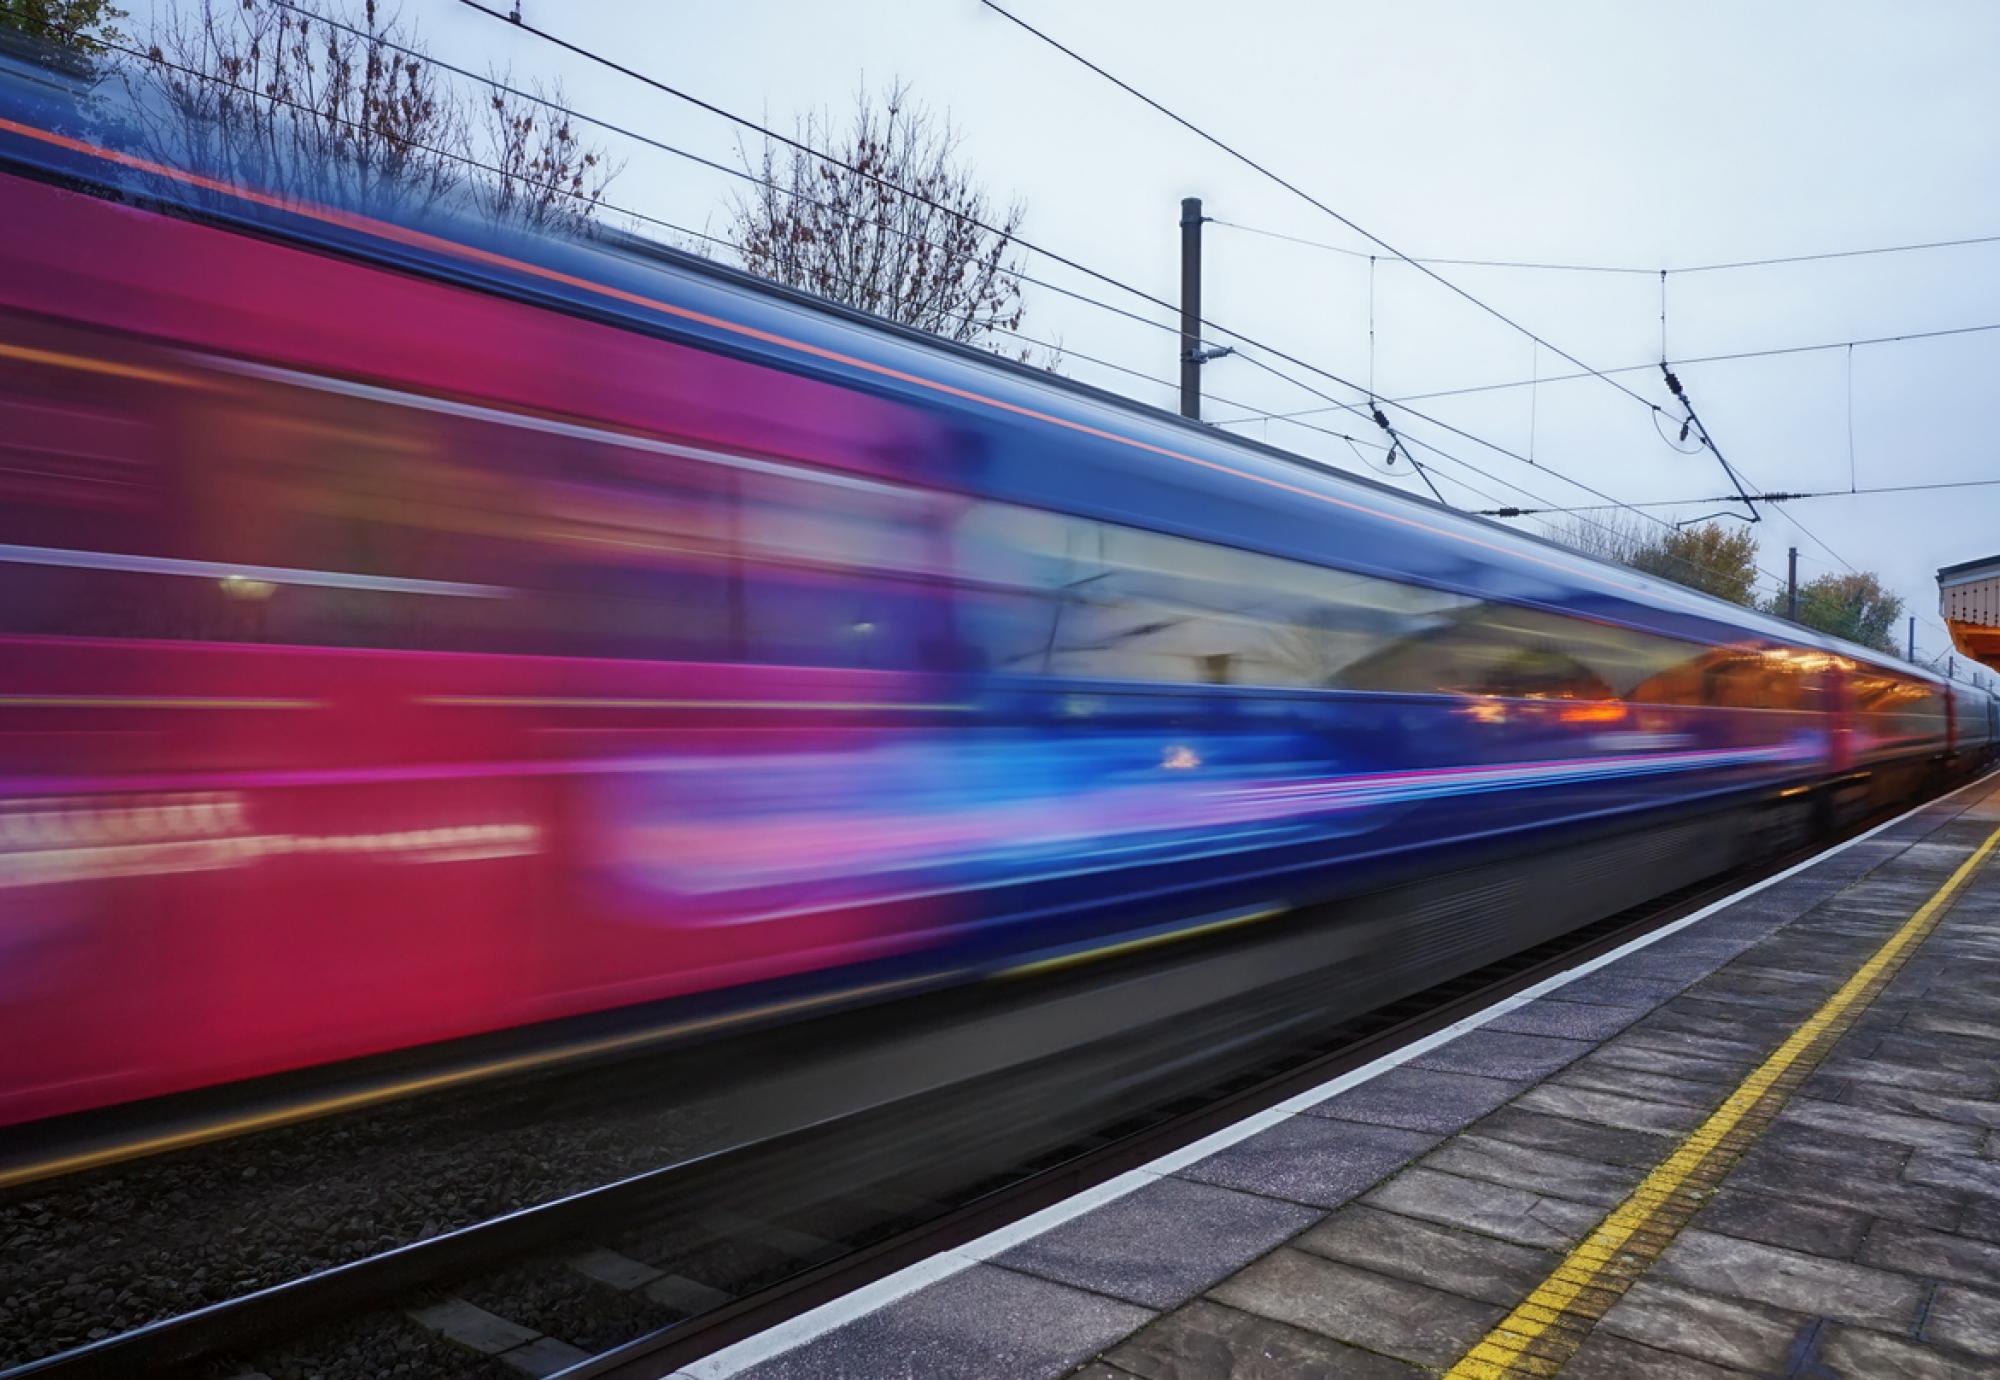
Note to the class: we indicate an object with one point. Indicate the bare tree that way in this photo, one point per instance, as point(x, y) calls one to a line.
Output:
point(895, 227)
point(545, 176)
point(316, 101)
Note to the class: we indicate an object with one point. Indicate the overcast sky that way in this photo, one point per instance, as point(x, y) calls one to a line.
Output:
point(1585, 132)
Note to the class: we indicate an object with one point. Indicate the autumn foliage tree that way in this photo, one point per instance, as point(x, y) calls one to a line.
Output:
point(898, 226)
point(1710, 557)
point(1854, 606)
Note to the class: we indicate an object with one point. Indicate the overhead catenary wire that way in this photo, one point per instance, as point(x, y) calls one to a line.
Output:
point(1233, 152)
point(1775, 497)
point(1067, 261)
point(1683, 361)
point(1631, 269)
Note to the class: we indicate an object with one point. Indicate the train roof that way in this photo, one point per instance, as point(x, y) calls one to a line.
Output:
point(1146, 465)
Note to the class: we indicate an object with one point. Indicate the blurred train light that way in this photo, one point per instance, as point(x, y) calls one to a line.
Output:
point(1601, 712)
point(1180, 757)
point(243, 587)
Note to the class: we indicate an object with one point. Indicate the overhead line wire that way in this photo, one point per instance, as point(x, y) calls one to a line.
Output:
point(1683, 361)
point(1299, 192)
point(1099, 275)
point(1618, 268)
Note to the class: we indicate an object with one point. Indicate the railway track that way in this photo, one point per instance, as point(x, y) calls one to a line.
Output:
point(690, 1256)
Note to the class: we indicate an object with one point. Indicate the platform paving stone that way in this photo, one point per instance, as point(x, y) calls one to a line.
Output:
point(1209, 1341)
point(1979, 1177)
point(1793, 1280)
point(1606, 1356)
point(1825, 1229)
point(1606, 1144)
point(1310, 1159)
point(1610, 1109)
point(1160, 1244)
point(1459, 1262)
point(1570, 1020)
point(1926, 1252)
point(1645, 1058)
point(1512, 1214)
point(1538, 1170)
point(1854, 1353)
point(1504, 1054)
point(1872, 1124)
point(1725, 1332)
point(1613, 988)
point(1420, 1099)
point(1648, 1087)
point(983, 1323)
point(1965, 1319)
point(1392, 1317)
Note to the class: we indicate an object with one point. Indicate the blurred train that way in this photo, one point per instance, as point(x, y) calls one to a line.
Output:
point(411, 629)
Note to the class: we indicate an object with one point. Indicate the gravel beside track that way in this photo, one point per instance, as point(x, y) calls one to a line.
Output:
point(111, 1249)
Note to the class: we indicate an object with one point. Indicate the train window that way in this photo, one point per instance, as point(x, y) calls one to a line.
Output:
point(1050, 594)
point(1055, 595)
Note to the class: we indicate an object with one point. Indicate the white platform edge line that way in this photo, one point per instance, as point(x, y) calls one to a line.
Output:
point(816, 1322)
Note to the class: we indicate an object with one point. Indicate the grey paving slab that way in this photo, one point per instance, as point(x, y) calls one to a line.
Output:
point(1650, 1058)
point(1933, 1106)
point(1610, 1144)
point(1923, 1251)
point(1647, 1087)
point(1901, 1075)
point(1570, 1020)
point(1311, 1159)
point(1853, 1353)
point(1160, 1244)
point(1819, 1181)
point(1504, 1054)
point(1420, 1099)
point(1606, 1356)
point(1207, 1340)
point(1873, 1124)
point(1612, 986)
point(1943, 1023)
point(1512, 1214)
point(1826, 1229)
point(1392, 1317)
point(1538, 1170)
point(1708, 1045)
point(1725, 1332)
point(1955, 1173)
point(1965, 1319)
point(1609, 1109)
point(1099, 1370)
point(1459, 1262)
point(1877, 1159)
point(984, 1323)
point(1794, 1280)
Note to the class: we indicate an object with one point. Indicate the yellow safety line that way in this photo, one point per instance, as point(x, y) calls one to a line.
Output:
point(386, 1092)
point(1071, 960)
point(1539, 1337)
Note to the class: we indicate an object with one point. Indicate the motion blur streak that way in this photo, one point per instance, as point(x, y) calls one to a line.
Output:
point(409, 632)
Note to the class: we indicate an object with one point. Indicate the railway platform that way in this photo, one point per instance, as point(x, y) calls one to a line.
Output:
point(1763, 1140)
